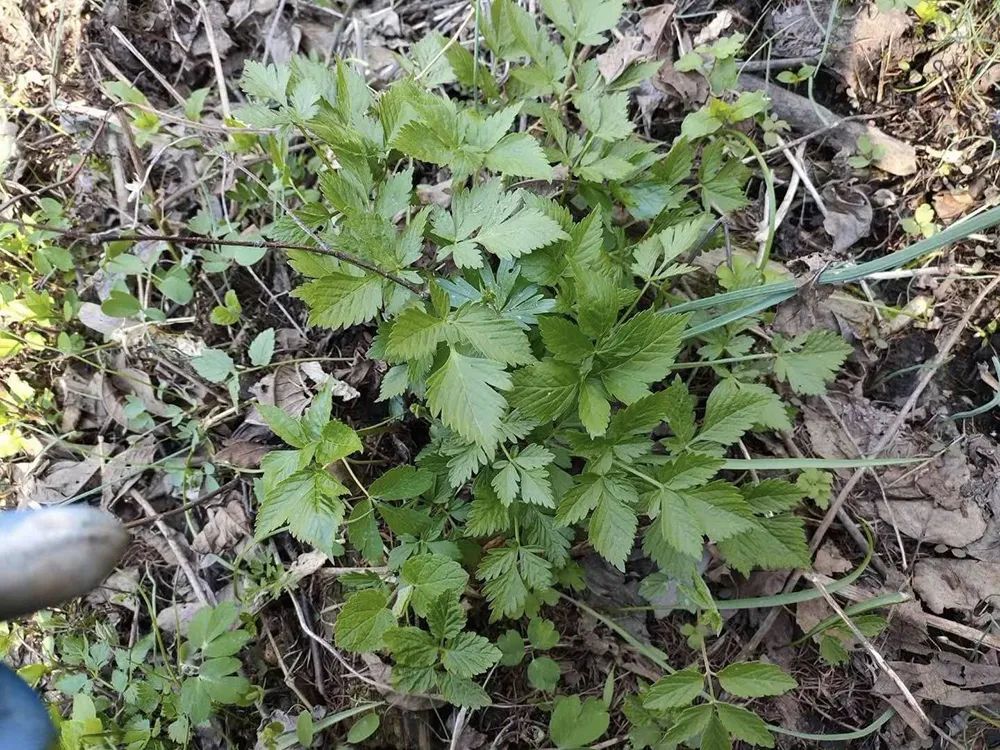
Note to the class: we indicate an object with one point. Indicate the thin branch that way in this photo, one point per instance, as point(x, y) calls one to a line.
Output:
point(100, 238)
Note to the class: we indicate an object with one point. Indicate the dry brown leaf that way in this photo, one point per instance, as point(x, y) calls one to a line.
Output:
point(63, 480)
point(111, 400)
point(305, 565)
point(848, 218)
point(948, 680)
point(714, 28)
point(923, 520)
point(639, 47)
point(134, 459)
point(862, 43)
point(176, 617)
point(952, 204)
point(956, 584)
point(829, 560)
point(119, 589)
point(243, 454)
point(132, 381)
point(226, 527)
point(94, 318)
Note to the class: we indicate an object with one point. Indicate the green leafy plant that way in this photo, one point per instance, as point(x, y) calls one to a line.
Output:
point(532, 329)
point(867, 154)
point(804, 73)
point(922, 222)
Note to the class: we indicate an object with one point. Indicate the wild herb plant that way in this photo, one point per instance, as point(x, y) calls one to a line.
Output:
point(529, 324)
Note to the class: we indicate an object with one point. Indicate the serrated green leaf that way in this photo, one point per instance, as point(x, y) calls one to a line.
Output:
point(363, 533)
point(266, 82)
point(520, 155)
point(715, 736)
point(594, 409)
point(744, 725)
point(546, 390)
point(261, 349)
point(511, 646)
point(771, 544)
point(689, 722)
point(527, 230)
point(414, 333)
point(469, 654)
point(307, 502)
point(462, 691)
point(676, 690)
point(722, 179)
point(612, 529)
point(464, 392)
point(809, 362)
point(363, 621)
point(604, 115)
point(564, 339)
point(495, 337)
point(542, 633)
point(729, 414)
point(431, 576)
point(640, 352)
point(755, 679)
point(583, 21)
point(445, 616)
point(338, 300)
point(412, 647)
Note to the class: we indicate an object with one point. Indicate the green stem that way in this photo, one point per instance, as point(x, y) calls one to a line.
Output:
point(772, 207)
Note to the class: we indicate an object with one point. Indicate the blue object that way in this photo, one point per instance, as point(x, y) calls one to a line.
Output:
point(24, 723)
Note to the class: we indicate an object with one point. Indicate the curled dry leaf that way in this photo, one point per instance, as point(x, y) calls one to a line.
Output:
point(226, 527)
point(952, 204)
point(639, 47)
point(848, 218)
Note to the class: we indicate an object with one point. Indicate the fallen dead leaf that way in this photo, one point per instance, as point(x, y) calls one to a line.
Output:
point(923, 520)
point(956, 584)
point(243, 454)
point(714, 28)
point(860, 44)
point(119, 589)
point(948, 680)
point(639, 47)
point(830, 561)
point(134, 459)
point(132, 381)
point(952, 204)
point(176, 617)
point(226, 527)
point(305, 565)
point(61, 481)
point(849, 217)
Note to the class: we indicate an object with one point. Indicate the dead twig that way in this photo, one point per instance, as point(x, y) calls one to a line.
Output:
point(100, 238)
point(867, 645)
point(203, 595)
